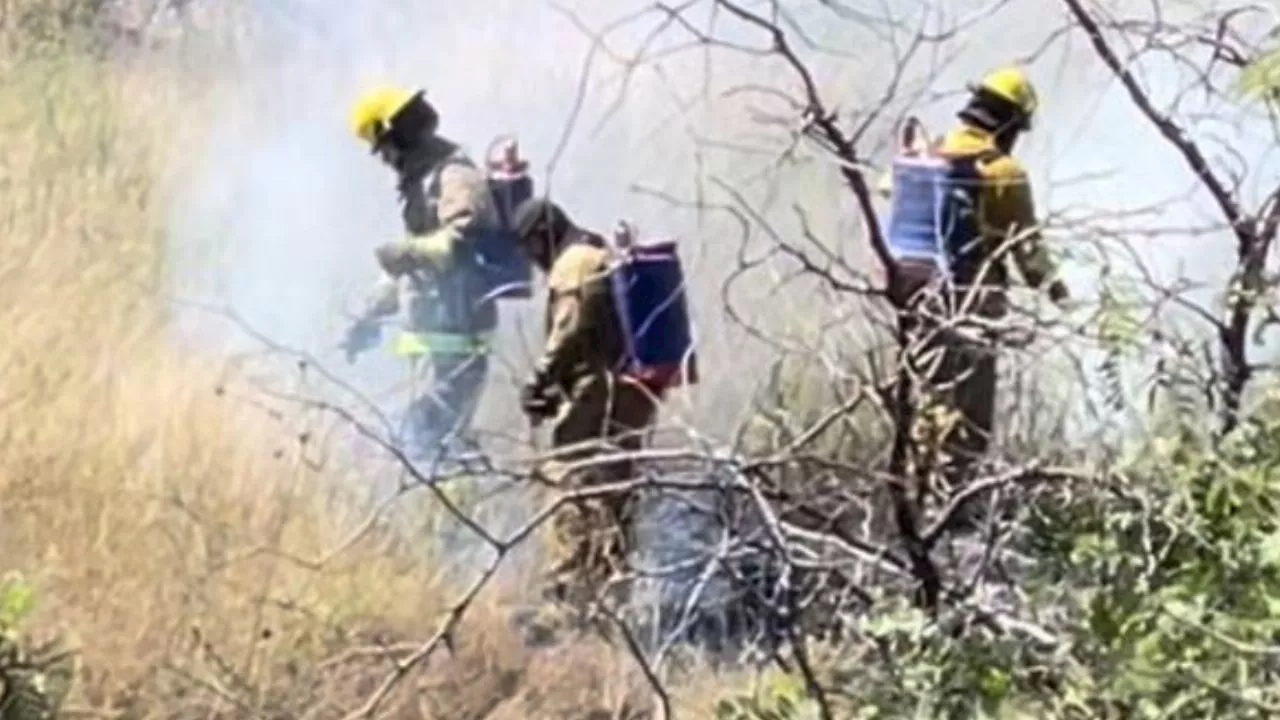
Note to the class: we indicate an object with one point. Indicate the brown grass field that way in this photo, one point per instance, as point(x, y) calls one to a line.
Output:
point(170, 534)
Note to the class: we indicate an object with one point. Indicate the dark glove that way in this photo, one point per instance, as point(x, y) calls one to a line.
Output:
point(536, 400)
point(1058, 292)
point(361, 336)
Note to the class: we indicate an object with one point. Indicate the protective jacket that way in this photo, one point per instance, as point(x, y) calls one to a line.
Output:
point(985, 215)
point(1002, 217)
point(602, 411)
point(433, 275)
point(584, 331)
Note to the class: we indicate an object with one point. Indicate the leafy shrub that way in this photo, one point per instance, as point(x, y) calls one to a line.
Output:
point(34, 678)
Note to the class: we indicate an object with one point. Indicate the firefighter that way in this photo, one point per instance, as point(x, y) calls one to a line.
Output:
point(594, 408)
point(432, 276)
point(955, 398)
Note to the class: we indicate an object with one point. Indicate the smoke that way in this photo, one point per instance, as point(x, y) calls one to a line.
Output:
point(280, 211)
point(277, 212)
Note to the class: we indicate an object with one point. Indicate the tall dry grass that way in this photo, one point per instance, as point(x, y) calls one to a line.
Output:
point(174, 535)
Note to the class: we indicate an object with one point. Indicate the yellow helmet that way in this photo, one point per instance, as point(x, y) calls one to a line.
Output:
point(1012, 84)
point(371, 117)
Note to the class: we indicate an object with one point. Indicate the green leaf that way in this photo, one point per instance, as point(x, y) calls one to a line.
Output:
point(17, 600)
point(995, 684)
point(906, 622)
point(1262, 77)
point(1269, 550)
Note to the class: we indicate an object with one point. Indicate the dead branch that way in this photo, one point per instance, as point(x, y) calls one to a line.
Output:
point(1254, 238)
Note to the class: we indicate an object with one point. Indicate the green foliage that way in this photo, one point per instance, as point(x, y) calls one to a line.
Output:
point(1119, 327)
point(906, 666)
point(1120, 334)
point(1261, 80)
point(780, 697)
point(1175, 590)
point(34, 679)
point(17, 600)
point(934, 670)
point(1160, 586)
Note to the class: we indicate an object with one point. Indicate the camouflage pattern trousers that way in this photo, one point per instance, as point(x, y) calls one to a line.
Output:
point(590, 537)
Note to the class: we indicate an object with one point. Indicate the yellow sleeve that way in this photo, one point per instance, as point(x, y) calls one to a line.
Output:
point(464, 201)
point(579, 298)
point(1010, 218)
point(564, 336)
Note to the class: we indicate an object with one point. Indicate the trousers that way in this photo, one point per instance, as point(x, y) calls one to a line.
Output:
point(441, 411)
point(591, 536)
point(953, 377)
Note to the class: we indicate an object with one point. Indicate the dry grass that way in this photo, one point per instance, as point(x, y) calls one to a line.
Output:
point(167, 529)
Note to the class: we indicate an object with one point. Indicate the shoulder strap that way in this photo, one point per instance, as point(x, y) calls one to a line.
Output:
point(432, 184)
point(990, 155)
point(979, 156)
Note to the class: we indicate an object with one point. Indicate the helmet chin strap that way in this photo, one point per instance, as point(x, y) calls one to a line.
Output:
point(1006, 138)
point(390, 154)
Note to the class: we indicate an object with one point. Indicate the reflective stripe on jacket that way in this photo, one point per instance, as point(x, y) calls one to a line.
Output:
point(416, 344)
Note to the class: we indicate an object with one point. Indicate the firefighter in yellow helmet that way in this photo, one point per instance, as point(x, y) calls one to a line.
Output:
point(431, 277)
point(956, 388)
point(1000, 109)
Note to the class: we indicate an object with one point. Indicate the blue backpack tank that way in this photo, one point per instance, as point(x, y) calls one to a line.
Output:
point(933, 220)
point(506, 269)
point(649, 292)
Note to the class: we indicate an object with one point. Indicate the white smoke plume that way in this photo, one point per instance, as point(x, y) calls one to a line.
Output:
point(277, 215)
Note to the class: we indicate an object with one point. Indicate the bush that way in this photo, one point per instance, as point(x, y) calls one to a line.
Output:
point(34, 678)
